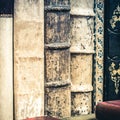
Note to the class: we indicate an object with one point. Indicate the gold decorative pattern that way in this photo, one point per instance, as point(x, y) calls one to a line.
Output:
point(115, 75)
point(115, 17)
point(98, 57)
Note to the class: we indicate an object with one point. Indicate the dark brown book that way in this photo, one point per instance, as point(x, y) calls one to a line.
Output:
point(57, 58)
point(109, 110)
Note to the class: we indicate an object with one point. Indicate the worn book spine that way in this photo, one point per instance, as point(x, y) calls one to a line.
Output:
point(82, 50)
point(6, 67)
point(28, 58)
point(6, 60)
point(57, 58)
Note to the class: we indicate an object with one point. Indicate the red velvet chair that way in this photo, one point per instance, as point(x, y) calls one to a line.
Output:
point(42, 118)
point(108, 110)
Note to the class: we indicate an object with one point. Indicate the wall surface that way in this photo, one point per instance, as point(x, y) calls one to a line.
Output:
point(28, 58)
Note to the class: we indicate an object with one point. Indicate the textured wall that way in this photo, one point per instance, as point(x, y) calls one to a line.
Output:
point(57, 58)
point(6, 68)
point(82, 49)
point(28, 58)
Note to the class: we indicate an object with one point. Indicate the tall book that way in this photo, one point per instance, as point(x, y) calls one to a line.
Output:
point(28, 58)
point(6, 68)
point(82, 49)
point(6, 60)
point(57, 58)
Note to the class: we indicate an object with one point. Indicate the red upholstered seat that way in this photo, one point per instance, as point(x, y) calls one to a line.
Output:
point(42, 118)
point(108, 110)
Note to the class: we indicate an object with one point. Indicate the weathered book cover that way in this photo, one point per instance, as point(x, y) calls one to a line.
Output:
point(6, 60)
point(57, 58)
point(6, 67)
point(28, 58)
point(82, 49)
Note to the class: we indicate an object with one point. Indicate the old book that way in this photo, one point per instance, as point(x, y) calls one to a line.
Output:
point(82, 49)
point(108, 110)
point(57, 58)
point(6, 60)
point(6, 67)
point(28, 58)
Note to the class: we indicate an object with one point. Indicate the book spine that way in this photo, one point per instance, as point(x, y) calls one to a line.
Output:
point(28, 58)
point(82, 50)
point(57, 58)
point(99, 57)
point(6, 67)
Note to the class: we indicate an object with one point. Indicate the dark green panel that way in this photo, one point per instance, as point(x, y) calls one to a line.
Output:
point(112, 49)
point(6, 6)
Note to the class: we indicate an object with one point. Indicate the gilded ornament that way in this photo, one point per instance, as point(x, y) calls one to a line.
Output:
point(115, 17)
point(115, 76)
